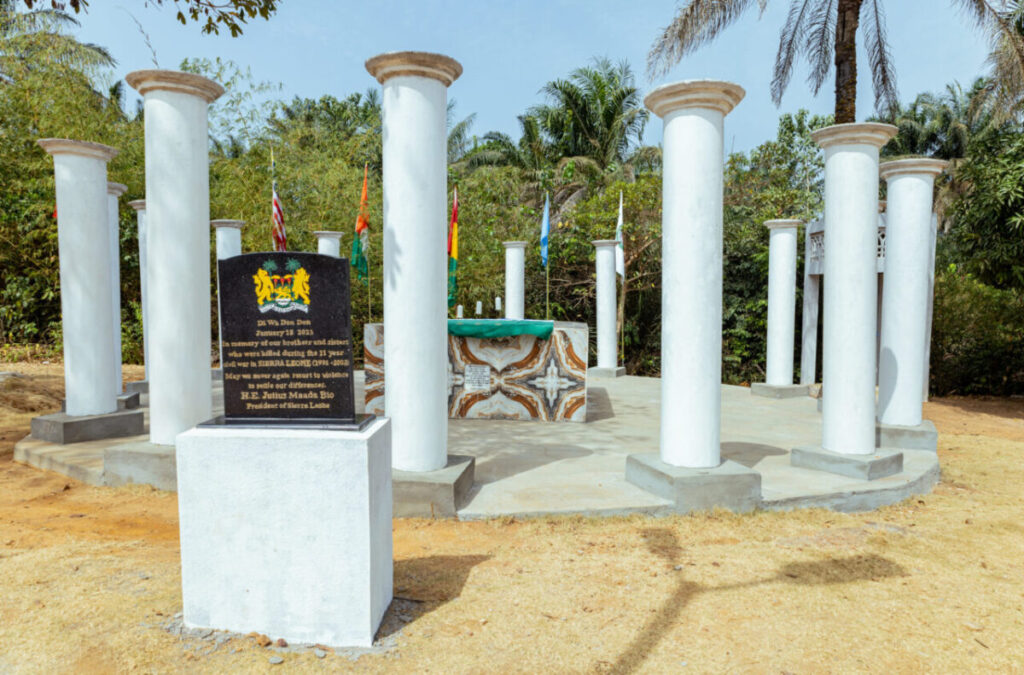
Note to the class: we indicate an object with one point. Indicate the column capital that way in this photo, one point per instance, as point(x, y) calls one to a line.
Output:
point(712, 94)
point(145, 81)
point(66, 146)
point(515, 244)
point(116, 189)
point(866, 133)
point(438, 67)
point(783, 224)
point(602, 243)
point(912, 165)
point(328, 234)
point(235, 224)
point(138, 204)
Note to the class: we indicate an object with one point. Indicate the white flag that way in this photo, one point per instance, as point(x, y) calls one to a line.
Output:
point(620, 254)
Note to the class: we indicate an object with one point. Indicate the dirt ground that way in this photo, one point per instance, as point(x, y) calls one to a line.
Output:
point(89, 578)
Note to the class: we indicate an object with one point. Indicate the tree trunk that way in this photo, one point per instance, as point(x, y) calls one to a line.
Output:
point(846, 60)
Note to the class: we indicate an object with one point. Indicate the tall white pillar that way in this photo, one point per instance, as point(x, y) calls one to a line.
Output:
point(140, 215)
point(931, 309)
point(851, 279)
point(328, 243)
point(604, 261)
point(414, 101)
point(177, 213)
point(515, 285)
point(83, 240)
point(114, 192)
point(781, 300)
point(691, 290)
point(908, 246)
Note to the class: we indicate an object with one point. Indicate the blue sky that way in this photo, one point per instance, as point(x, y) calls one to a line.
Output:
point(510, 49)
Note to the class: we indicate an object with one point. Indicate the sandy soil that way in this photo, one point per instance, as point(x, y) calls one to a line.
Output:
point(89, 578)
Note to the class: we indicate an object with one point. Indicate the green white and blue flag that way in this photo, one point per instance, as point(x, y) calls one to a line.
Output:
point(545, 227)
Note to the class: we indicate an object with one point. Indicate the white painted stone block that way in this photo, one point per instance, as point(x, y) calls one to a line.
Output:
point(287, 532)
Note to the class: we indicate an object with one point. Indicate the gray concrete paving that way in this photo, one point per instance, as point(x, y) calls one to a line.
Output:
point(532, 468)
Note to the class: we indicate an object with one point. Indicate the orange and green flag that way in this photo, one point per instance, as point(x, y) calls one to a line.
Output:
point(361, 242)
point(453, 251)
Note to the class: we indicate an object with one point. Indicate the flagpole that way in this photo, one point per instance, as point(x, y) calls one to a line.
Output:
point(547, 290)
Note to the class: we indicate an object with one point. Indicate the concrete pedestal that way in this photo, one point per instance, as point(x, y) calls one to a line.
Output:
point(691, 276)
point(114, 192)
point(177, 214)
point(140, 215)
point(878, 464)
point(286, 532)
point(433, 494)
point(780, 391)
point(414, 103)
point(729, 485)
point(607, 342)
point(515, 279)
point(86, 286)
point(64, 429)
point(599, 372)
point(906, 293)
point(328, 243)
point(922, 436)
point(851, 274)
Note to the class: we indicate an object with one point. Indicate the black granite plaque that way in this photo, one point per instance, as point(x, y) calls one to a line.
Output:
point(287, 340)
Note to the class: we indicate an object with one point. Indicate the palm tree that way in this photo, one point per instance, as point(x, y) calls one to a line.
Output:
point(825, 33)
point(28, 40)
point(596, 113)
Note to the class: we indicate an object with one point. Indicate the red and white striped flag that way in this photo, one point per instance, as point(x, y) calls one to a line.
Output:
point(277, 232)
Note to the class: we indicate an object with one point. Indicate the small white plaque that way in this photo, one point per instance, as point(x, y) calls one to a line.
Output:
point(477, 378)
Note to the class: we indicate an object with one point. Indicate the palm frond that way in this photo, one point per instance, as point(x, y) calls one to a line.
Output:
point(789, 46)
point(883, 74)
point(694, 25)
point(821, 43)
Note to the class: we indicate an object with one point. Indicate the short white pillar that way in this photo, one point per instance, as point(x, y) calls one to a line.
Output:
point(140, 216)
point(114, 192)
point(177, 213)
point(604, 261)
point(691, 278)
point(414, 101)
point(328, 243)
point(228, 243)
point(781, 301)
point(83, 240)
point(851, 279)
point(515, 266)
point(908, 247)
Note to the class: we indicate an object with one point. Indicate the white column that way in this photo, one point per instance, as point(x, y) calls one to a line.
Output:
point(809, 329)
point(83, 240)
point(691, 277)
point(515, 265)
point(851, 277)
point(177, 214)
point(140, 215)
point(781, 300)
point(414, 101)
point(604, 261)
point(228, 242)
point(328, 243)
point(926, 381)
point(908, 245)
point(114, 192)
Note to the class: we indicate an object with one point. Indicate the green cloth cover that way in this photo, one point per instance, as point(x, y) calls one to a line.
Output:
point(495, 328)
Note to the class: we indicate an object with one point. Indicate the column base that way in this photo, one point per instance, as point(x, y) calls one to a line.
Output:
point(729, 485)
point(126, 401)
point(137, 387)
point(286, 532)
point(62, 428)
point(922, 437)
point(883, 462)
point(779, 390)
point(599, 372)
point(433, 494)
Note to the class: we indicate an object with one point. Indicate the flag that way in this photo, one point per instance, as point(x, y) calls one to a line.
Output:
point(545, 227)
point(453, 250)
point(277, 234)
point(620, 253)
point(361, 242)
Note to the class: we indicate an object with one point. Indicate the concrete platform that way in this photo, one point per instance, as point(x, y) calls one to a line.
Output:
point(779, 391)
point(529, 469)
point(599, 373)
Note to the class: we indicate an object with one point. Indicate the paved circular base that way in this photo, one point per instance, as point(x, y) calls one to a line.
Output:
point(534, 468)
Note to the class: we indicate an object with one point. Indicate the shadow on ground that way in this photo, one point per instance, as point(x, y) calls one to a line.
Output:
point(665, 544)
point(424, 584)
point(599, 405)
point(495, 465)
point(749, 454)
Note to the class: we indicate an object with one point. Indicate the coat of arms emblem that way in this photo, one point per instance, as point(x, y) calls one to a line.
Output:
point(282, 292)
